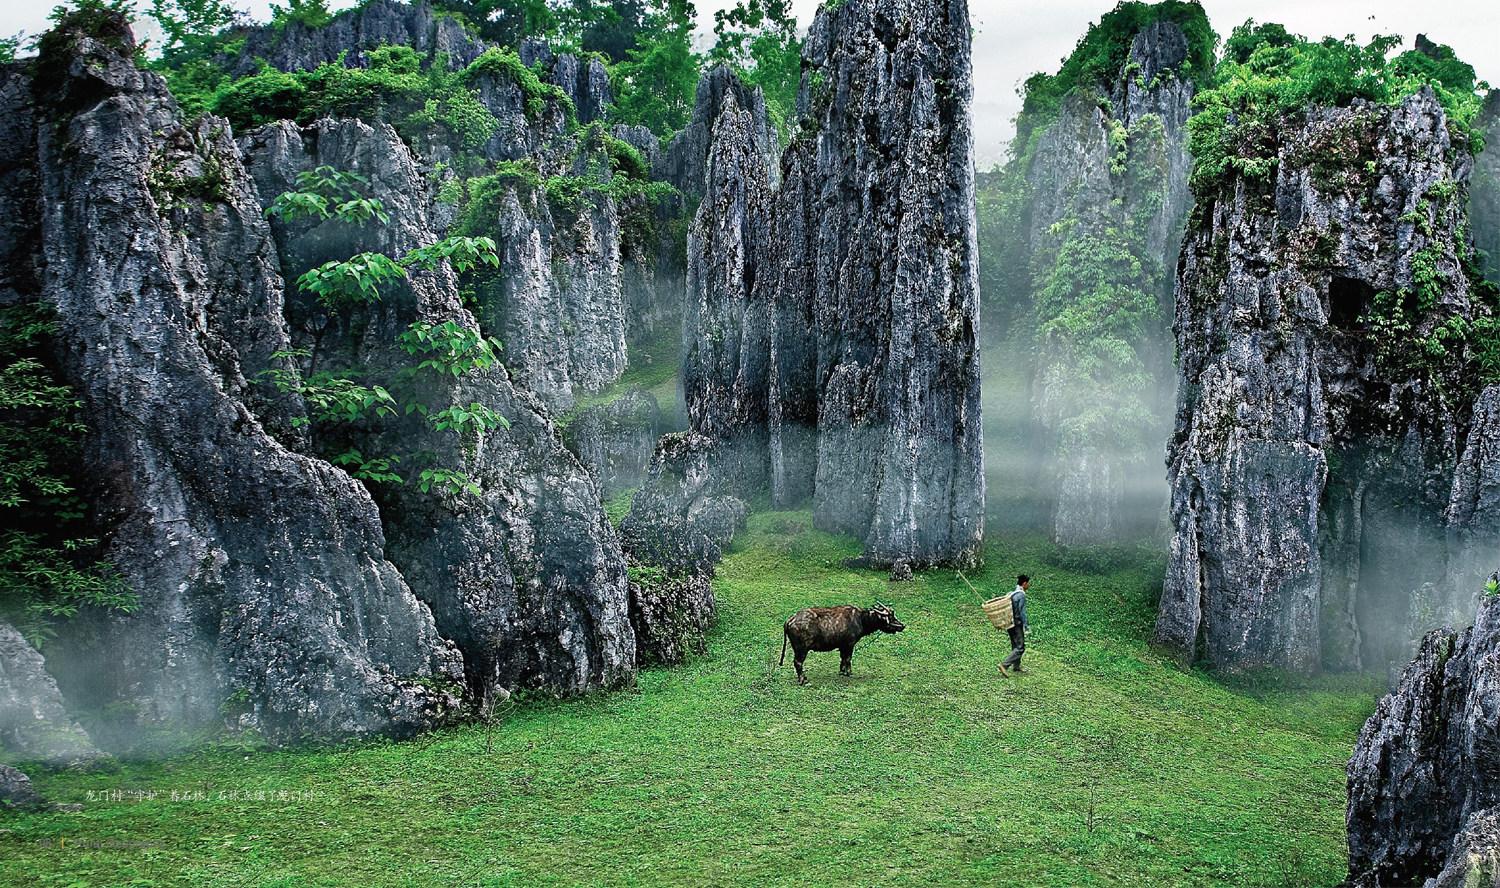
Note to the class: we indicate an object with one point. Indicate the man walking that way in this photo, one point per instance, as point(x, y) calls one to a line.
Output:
point(1018, 628)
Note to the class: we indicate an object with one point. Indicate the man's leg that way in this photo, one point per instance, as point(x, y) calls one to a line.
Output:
point(1017, 647)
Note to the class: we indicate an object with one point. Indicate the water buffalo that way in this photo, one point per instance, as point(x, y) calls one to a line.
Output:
point(834, 629)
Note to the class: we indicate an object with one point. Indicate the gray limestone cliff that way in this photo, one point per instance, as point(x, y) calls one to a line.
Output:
point(1106, 174)
point(296, 46)
point(1323, 410)
point(684, 160)
point(436, 37)
point(261, 573)
point(278, 594)
point(1424, 781)
point(860, 275)
point(724, 334)
point(1484, 190)
point(525, 574)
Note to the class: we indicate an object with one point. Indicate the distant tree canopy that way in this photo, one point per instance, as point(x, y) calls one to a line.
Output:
point(759, 39)
point(1268, 73)
point(1103, 51)
point(648, 45)
point(657, 81)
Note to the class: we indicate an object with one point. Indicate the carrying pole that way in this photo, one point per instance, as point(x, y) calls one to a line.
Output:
point(971, 586)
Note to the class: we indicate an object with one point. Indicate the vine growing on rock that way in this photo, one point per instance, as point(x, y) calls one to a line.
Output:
point(443, 351)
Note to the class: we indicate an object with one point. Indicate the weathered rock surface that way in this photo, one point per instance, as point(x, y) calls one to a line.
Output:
point(586, 81)
point(893, 281)
point(1103, 172)
point(1473, 516)
point(1424, 782)
point(438, 39)
point(16, 791)
point(675, 533)
point(526, 577)
point(615, 440)
point(260, 572)
point(1484, 192)
point(684, 162)
point(1474, 858)
point(863, 281)
point(725, 336)
point(297, 47)
point(1313, 459)
point(34, 725)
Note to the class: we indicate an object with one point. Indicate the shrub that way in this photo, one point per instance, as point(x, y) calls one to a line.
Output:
point(50, 567)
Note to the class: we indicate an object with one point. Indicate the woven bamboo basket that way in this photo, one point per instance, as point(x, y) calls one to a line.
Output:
point(999, 610)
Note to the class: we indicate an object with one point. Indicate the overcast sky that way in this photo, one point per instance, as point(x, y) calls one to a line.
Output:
point(1013, 39)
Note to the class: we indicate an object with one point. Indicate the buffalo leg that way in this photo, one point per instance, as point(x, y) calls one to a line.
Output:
point(846, 660)
point(798, 656)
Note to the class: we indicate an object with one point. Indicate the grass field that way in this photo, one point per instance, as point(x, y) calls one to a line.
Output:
point(1104, 766)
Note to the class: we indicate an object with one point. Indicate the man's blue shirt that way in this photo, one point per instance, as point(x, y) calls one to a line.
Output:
point(1018, 606)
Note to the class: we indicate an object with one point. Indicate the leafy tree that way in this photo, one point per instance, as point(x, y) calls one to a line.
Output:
point(447, 350)
point(1268, 75)
point(49, 566)
point(192, 24)
point(656, 85)
point(308, 13)
point(391, 86)
point(612, 29)
point(506, 22)
point(758, 38)
point(9, 46)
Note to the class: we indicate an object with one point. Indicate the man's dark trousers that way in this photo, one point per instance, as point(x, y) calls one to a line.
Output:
point(1017, 647)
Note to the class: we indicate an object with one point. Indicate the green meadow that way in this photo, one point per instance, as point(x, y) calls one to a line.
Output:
point(1105, 765)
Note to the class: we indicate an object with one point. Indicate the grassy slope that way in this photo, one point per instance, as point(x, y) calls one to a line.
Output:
point(925, 767)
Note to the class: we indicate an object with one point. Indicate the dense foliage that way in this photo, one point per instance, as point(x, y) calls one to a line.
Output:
point(656, 83)
point(49, 565)
point(1269, 75)
point(1103, 51)
point(648, 46)
point(346, 398)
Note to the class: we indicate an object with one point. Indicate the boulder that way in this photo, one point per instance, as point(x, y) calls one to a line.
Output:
point(674, 535)
point(34, 724)
point(16, 792)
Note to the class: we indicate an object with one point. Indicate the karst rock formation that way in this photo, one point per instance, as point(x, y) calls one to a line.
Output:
point(1424, 782)
point(1330, 466)
point(832, 317)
